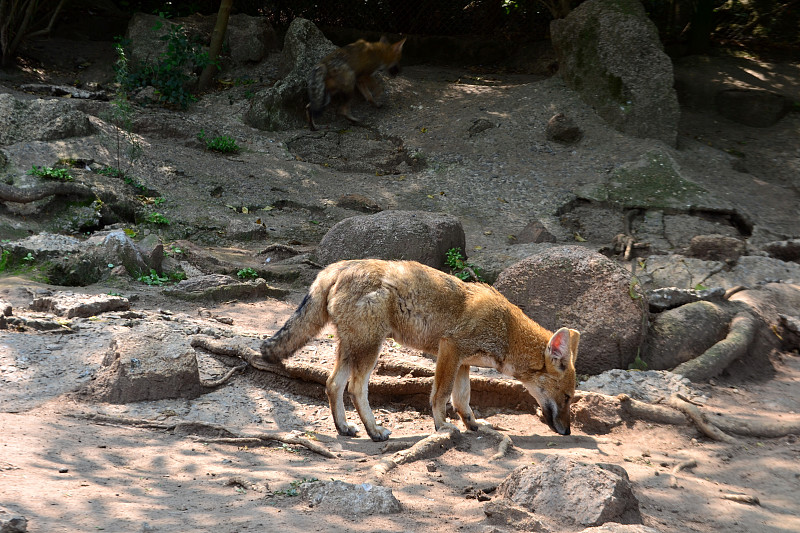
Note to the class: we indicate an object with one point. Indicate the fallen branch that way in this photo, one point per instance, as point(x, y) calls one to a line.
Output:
point(431, 446)
point(213, 433)
point(9, 193)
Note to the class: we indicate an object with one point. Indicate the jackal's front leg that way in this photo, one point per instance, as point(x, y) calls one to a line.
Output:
point(460, 397)
point(447, 364)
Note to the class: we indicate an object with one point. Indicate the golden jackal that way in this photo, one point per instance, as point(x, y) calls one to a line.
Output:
point(462, 323)
point(351, 66)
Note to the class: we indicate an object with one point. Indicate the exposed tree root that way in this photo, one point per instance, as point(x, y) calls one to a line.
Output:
point(680, 411)
point(417, 379)
point(9, 193)
point(742, 498)
point(717, 358)
point(433, 445)
point(700, 421)
point(214, 433)
point(505, 445)
point(759, 428)
point(685, 465)
point(214, 383)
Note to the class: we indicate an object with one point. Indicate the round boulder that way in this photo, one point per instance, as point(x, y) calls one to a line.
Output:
point(581, 289)
point(415, 235)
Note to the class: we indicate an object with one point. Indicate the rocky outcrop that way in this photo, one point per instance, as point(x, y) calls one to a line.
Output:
point(414, 235)
point(610, 53)
point(282, 106)
point(40, 120)
point(578, 288)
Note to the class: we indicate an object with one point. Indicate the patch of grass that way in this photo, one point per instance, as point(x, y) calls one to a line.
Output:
point(60, 174)
point(221, 143)
point(460, 268)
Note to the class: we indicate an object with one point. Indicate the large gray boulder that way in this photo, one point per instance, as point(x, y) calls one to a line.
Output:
point(567, 491)
point(582, 289)
point(413, 235)
point(40, 120)
point(149, 362)
point(610, 53)
point(282, 106)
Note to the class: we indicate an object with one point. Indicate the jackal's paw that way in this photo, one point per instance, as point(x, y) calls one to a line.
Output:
point(349, 430)
point(447, 427)
point(267, 355)
point(381, 434)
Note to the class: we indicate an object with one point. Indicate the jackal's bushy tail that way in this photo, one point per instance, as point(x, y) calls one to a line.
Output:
point(317, 94)
point(307, 320)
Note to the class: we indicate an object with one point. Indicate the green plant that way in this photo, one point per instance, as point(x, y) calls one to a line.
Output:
point(157, 218)
point(176, 275)
point(60, 174)
point(172, 73)
point(29, 258)
point(121, 113)
point(637, 364)
point(221, 143)
point(4, 257)
point(459, 266)
point(152, 278)
point(247, 273)
point(294, 485)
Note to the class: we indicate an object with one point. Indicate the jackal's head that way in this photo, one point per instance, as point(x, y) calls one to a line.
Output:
point(391, 55)
point(554, 385)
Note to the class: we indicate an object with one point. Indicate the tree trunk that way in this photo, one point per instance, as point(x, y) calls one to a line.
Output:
point(217, 38)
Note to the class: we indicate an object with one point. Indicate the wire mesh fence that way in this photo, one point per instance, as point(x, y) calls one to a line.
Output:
point(767, 23)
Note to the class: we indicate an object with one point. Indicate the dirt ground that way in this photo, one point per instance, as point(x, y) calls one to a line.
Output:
point(66, 473)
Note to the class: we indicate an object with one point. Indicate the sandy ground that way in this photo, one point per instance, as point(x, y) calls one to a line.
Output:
point(66, 473)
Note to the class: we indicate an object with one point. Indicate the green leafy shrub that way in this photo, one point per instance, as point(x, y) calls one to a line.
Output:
point(221, 143)
point(459, 267)
point(172, 73)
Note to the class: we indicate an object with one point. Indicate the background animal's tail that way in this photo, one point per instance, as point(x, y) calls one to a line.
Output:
point(307, 320)
point(317, 94)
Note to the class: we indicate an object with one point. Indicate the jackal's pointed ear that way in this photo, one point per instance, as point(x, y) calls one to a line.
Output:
point(574, 340)
point(559, 349)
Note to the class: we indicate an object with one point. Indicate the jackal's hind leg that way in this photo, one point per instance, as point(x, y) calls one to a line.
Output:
point(363, 362)
point(334, 388)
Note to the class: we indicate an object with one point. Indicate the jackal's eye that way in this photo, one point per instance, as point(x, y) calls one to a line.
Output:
point(567, 398)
